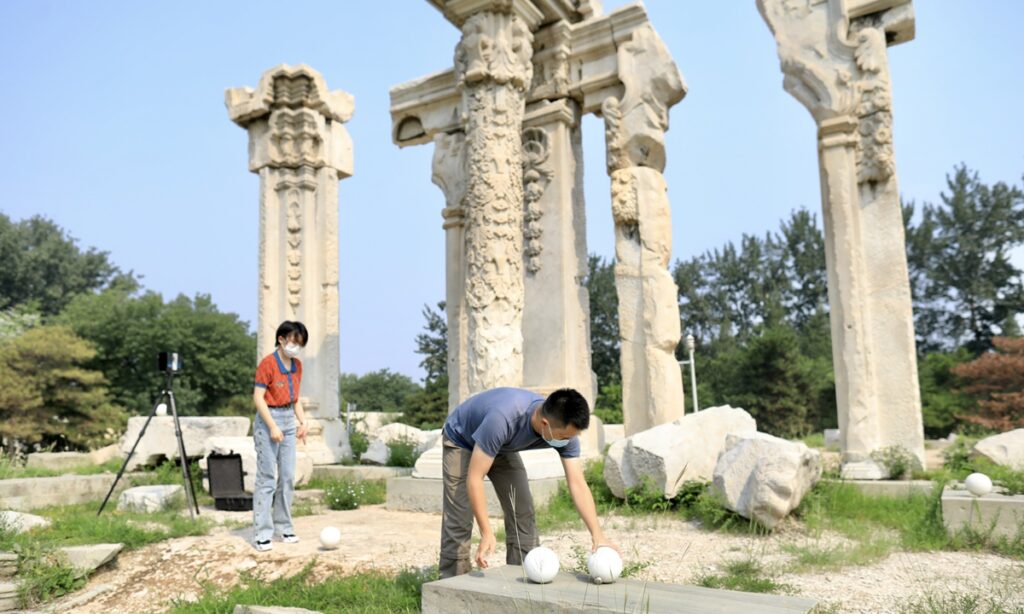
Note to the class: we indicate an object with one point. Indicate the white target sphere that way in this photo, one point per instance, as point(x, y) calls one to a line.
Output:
point(330, 537)
point(978, 484)
point(541, 565)
point(605, 565)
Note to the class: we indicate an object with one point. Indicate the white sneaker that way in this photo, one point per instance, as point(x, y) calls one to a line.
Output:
point(263, 546)
point(290, 538)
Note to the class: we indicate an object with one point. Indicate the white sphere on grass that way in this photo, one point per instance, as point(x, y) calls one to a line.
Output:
point(605, 565)
point(978, 484)
point(541, 565)
point(330, 537)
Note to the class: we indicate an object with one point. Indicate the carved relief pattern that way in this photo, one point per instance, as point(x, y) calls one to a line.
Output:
point(536, 177)
point(875, 157)
point(295, 138)
point(493, 69)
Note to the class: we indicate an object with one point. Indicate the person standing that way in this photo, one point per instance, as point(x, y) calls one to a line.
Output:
point(280, 421)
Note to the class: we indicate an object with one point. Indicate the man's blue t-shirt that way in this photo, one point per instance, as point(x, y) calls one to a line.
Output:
point(498, 421)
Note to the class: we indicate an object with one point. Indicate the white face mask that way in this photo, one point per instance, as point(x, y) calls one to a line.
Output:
point(292, 349)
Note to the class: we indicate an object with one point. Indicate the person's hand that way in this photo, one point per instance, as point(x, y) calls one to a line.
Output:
point(601, 540)
point(301, 432)
point(486, 547)
point(276, 435)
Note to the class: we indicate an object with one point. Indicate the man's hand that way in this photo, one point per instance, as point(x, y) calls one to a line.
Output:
point(275, 434)
point(301, 432)
point(600, 540)
point(486, 547)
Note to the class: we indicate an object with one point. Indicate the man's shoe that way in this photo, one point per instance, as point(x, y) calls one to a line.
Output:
point(290, 538)
point(263, 546)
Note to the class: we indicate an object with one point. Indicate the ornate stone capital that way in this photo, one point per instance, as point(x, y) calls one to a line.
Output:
point(836, 66)
point(449, 170)
point(497, 48)
point(288, 86)
point(635, 125)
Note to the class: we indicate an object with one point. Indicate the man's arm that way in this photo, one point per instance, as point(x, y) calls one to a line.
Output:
point(579, 490)
point(479, 464)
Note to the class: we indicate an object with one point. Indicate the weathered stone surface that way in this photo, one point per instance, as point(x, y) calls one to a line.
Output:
point(397, 431)
point(159, 442)
point(85, 559)
point(106, 453)
point(8, 596)
point(57, 461)
point(26, 494)
point(377, 454)
point(425, 495)
point(270, 609)
point(1003, 514)
point(763, 478)
point(246, 447)
point(1005, 449)
point(20, 522)
point(149, 499)
point(671, 454)
point(613, 433)
point(300, 147)
point(835, 63)
point(369, 421)
point(8, 564)
point(831, 438)
point(359, 472)
point(539, 464)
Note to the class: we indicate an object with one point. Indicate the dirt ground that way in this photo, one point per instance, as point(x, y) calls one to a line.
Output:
point(676, 551)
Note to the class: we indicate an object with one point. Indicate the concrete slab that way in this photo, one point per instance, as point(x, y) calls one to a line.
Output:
point(424, 494)
point(501, 590)
point(57, 461)
point(1004, 514)
point(24, 494)
point(891, 488)
point(271, 609)
point(359, 472)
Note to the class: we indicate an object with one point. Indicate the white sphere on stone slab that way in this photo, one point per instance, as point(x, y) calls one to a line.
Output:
point(161, 409)
point(330, 537)
point(541, 565)
point(605, 565)
point(978, 484)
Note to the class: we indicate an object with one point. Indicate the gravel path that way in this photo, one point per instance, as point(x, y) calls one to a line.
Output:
point(676, 551)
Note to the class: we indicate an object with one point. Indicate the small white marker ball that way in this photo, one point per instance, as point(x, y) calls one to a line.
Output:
point(541, 565)
point(330, 537)
point(605, 565)
point(978, 484)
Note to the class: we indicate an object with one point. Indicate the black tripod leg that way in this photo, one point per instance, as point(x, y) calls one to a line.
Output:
point(127, 458)
point(186, 472)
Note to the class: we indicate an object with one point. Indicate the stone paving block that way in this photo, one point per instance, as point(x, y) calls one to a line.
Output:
point(504, 590)
point(424, 494)
point(1004, 514)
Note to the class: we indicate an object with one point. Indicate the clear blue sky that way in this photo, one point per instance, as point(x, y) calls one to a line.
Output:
point(115, 127)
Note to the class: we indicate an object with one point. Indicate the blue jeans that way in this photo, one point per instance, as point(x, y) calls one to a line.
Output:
point(275, 476)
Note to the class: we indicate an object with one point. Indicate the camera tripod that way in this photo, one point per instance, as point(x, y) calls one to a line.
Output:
point(186, 473)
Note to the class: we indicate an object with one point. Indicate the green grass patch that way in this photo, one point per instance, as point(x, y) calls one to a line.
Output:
point(814, 440)
point(746, 575)
point(956, 603)
point(366, 593)
point(817, 557)
point(349, 493)
point(11, 470)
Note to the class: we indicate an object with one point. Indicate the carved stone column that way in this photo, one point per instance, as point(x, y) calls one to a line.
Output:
point(493, 70)
point(835, 64)
point(652, 387)
point(449, 174)
point(300, 149)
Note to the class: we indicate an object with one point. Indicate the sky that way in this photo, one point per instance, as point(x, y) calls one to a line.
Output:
point(115, 128)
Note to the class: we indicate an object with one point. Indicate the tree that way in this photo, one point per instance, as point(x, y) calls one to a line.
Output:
point(128, 331)
point(427, 408)
point(49, 396)
point(381, 390)
point(941, 401)
point(44, 269)
point(604, 320)
point(432, 343)
point(967, 288)
point(996, 380)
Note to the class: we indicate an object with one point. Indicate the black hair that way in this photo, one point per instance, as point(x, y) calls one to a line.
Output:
point(566, 406)
point(288, 328)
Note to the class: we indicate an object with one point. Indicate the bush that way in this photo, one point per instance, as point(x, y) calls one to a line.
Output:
point(404, 452)
point(898, 461)
point(344, 494)
point(359, 442)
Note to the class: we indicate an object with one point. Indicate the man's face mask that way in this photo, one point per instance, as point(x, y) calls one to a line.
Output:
point(555, 443)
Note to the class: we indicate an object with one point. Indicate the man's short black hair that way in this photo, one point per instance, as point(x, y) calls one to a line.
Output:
point(565, 407)
point(288, 328)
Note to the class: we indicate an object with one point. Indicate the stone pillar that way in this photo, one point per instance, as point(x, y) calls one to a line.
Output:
point(835, 63)
point(449, 174)
point(299, 147)
point(652, 387)
point(493, 70)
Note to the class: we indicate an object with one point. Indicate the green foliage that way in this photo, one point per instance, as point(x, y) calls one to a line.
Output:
point(44, 268)
point(403, 452)
point(381, 390)
point(50, 396)
point(898, 461)
point(608, 406)
point(129, 331)
point(427, 408)
point(332, 594)
point(604, 323)
point(432, 343)
point(941, 402)
point(43, 574)
point(10, 469)
point(966, 287)
point(348, 494)
point(747, 575)
point(955, 603)
point(359, 442)
point(15, 321)
point(959, 463)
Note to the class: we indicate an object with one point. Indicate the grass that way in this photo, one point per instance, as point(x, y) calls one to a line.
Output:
point(747, 575)
point(366, 592)
point(11, 470)
point(45, 574)
point(349, 493)
point(956, 603)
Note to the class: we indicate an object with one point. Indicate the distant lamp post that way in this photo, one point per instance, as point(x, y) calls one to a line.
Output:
point(690, 345)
